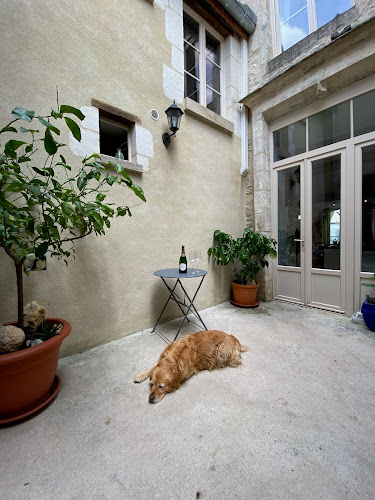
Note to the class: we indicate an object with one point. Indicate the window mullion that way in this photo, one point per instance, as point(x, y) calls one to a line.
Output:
point(202, 47)
point(311, 14)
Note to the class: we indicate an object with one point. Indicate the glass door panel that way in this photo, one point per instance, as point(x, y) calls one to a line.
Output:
point(368, 209)
point(326, 213)
point(289, 217)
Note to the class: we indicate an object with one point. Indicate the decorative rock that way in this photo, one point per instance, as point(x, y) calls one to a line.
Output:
point(33, 316)
point(11, 339)
point(30, 343)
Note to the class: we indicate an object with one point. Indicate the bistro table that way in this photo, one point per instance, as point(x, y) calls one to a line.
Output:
point(184, 302)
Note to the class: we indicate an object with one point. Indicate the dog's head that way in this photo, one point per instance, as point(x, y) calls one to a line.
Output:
point(162, 381)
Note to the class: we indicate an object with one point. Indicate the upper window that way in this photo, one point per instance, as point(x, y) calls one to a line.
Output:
point(329, 126)
point(202, 64)
point(296, 19)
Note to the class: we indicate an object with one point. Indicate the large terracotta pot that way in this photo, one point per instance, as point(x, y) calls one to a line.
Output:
point(245, 295)
point(28, 378)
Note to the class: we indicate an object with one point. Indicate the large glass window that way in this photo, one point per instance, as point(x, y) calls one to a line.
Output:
point(326, 221)
point(191, 49)
point(289, 141)
point(363, 113)
point(299, 18)
point(289, 217)
point(368, 209)
point(329, 126)
point(202, 64)
point(294, 22)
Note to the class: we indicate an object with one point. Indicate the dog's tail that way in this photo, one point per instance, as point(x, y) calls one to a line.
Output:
point(244, 348)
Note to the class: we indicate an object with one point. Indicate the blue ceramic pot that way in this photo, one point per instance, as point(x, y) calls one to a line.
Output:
point(368, 311)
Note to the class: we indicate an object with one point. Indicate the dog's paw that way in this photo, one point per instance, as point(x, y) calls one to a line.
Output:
point(138, 379)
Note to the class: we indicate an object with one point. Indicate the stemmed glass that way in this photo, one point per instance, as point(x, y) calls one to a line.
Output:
point(192, 259)
point(197, 259)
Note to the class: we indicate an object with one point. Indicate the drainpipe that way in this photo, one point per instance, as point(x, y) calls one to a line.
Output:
point(241, 13)
point(244, 111)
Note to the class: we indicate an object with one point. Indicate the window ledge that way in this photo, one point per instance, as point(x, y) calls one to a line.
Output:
point(135, 167)
point(197, 110)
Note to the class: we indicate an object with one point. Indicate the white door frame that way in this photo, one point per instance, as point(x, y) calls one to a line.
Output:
point(352, 294)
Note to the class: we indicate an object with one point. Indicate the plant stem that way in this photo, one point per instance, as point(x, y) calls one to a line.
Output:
point(19, 271)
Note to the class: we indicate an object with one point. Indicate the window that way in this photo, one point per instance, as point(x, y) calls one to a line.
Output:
point(326, 127)
point(202, 64)
point(113, 138)
point(329, 126)
point(296, 19)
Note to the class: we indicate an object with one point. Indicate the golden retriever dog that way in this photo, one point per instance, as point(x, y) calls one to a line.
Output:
point(199, 351)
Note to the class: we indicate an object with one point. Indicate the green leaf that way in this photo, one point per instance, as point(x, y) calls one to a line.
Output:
point(39, 171)
point(49, 143)
point(8, 129)
point(111, 179)
point(73, 111)
point(49, 125)
point(67, 208)
point(23, 114)
point(94, 155)
point(74, 128)
point(11, 146)
point(41, 250)
point(138, 191)
point(81, 181)
point(100, 197)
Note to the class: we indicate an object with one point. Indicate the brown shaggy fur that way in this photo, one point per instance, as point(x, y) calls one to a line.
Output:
point(204, 350)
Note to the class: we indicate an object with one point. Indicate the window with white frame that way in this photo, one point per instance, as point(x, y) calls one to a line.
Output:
point(296, 19)
point(203, 66)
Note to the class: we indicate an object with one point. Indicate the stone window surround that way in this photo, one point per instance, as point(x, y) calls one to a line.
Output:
point(141, 143)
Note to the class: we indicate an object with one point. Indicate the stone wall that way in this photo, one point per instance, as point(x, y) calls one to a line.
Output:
point(275, 85)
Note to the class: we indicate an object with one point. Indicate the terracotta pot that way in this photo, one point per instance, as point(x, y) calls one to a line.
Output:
point(245, 295)
point(27, 377)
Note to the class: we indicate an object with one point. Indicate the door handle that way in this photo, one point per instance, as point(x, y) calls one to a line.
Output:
point(301, 241)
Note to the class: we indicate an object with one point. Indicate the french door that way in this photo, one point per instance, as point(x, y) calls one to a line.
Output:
point(312, 232)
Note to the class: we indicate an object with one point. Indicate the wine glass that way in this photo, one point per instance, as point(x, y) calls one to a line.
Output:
point(192, 259)
point(198, 258)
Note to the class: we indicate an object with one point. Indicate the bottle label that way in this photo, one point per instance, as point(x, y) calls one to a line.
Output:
point(182, 267)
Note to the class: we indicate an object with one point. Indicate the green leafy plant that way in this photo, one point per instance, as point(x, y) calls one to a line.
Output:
point(44, 331)
point(46, 204)
point(370, 300)
point(248, 253)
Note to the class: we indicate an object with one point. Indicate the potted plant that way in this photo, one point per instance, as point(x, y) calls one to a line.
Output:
point(368, 306)
point(46, 205)
point(248, 253)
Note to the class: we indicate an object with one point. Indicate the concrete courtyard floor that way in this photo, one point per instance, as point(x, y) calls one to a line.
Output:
point(295, 421)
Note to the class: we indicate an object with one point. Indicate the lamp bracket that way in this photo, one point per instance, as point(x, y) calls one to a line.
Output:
point(167, 138)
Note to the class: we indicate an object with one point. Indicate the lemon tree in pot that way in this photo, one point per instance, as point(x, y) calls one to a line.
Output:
point(249, 255)
point(46, 205)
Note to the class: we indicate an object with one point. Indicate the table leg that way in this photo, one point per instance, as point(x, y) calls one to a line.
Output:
point(190, 307)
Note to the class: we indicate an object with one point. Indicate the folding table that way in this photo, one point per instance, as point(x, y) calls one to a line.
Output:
point(184, 302)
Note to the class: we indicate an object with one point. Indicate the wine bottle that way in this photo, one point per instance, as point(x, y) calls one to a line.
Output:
point(182, 266)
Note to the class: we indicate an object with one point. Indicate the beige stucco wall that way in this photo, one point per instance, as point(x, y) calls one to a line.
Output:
point(120, 53)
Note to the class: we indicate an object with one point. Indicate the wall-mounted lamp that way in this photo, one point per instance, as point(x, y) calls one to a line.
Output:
point(174, 115)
